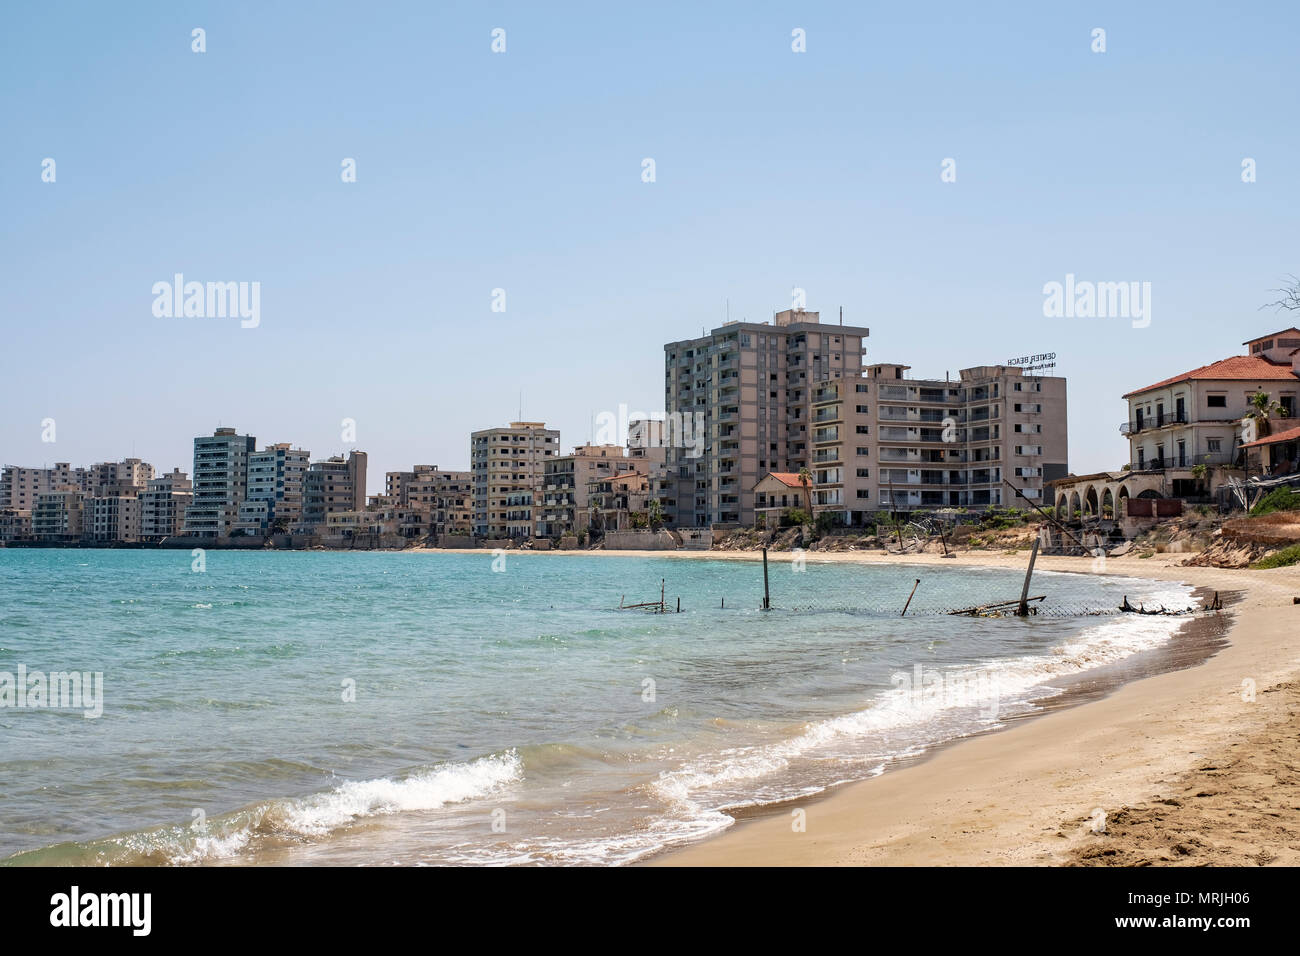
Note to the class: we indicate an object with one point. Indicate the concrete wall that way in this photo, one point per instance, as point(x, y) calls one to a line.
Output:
point(455, 541)
point(639, 541)
point(695, 539)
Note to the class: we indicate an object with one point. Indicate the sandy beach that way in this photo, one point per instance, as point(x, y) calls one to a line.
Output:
point(1187, 767)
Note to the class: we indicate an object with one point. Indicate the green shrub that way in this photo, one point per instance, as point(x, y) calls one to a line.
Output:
point(1279, 559)
point(1279, 499)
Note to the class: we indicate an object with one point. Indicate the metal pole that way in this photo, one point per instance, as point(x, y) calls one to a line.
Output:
point(767, 597)
point(909, 597)
point(1023, 610)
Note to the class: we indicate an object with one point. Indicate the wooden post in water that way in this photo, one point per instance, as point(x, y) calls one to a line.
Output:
point(767, 597)
point(1023, 609)
point(909, 597)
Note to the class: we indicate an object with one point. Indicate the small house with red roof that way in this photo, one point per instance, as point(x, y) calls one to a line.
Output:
point(777, 493)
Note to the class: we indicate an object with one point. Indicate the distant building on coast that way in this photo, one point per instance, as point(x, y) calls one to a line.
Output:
point(64, 504)
point(274, 501)
point(20, 487)
point(563, 502)
point(59, 516)
point(163, 504)
point(15, 524)
point(508, 468)
point(427, 501)
point(335, 484)
point(794, 394)
point(220, 483)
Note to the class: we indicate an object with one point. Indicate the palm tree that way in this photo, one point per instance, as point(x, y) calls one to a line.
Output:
point(805, 479)
point(655, 512)
point(1262, 411)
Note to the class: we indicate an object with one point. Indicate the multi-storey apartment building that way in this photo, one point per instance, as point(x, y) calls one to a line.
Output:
point(129, 476)
point(275, 489)
point(163, 504)
point(950, 444)
point(220, 482)
point(620, 500)
point(795, 395)
point(336, 484)
point(15, 524)
point(428, 501)
point(647, 453)
point(563, 499)
point(20, 487)
point(111, 517)
point(752, 383)
point(1196, 418)
point(59, 516)
point(507, 465)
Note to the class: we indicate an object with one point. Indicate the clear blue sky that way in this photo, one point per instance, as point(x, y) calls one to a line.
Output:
point(522, 171)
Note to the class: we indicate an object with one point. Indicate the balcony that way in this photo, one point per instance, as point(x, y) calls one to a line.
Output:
point(1159, 421)
point(1182, 462)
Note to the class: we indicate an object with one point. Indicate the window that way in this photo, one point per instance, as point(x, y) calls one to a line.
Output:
point(1213, 444)
point(862, 409)
point(864, 493)
point(864, 473)
point(863, 452)
point(861, 389)
point(863, 429)
point(1216, 401)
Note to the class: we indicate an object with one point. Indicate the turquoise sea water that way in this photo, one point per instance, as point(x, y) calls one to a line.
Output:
point(293, 707)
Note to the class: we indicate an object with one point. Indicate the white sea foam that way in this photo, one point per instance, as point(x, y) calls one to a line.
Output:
point(900, 723)
point(320, 814)
point(438, 787)
point(896, 725)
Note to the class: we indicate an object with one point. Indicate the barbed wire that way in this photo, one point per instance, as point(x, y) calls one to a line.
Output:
point(1035, 610)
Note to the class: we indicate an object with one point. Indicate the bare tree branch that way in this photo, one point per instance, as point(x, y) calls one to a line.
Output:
point(1289, 297)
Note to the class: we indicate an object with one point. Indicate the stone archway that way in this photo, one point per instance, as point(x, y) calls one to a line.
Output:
point(1076, 506)
point(1107, 504)
point(1062, 505)
point(1121, 502)
point(1091, 507)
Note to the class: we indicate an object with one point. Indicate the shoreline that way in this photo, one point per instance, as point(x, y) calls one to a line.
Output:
point(1036, 791)
point(1030, 793)
point(1163, 745)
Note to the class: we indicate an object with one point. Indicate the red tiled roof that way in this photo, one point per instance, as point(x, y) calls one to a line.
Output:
point(1291, 434)
point(786, 478)
point(1272, 335)
point(1238, 368)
